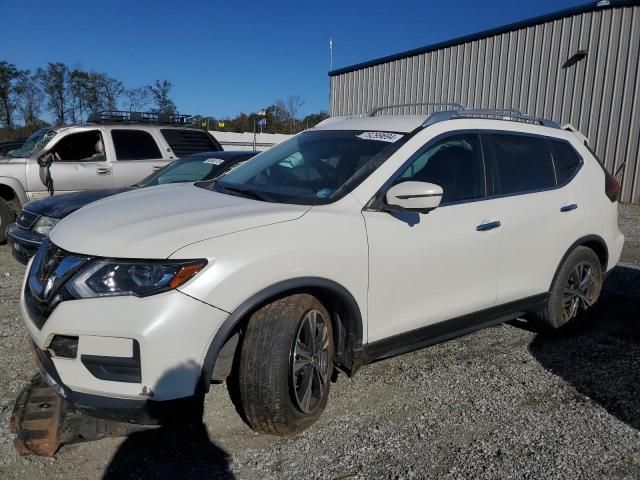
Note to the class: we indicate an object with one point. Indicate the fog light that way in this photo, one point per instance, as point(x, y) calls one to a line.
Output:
point(64, 346)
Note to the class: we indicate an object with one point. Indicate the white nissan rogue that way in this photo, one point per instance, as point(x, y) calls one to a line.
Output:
point(362, 238)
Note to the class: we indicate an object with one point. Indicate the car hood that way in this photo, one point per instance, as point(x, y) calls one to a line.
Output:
point(154, 222)
point(60, 206)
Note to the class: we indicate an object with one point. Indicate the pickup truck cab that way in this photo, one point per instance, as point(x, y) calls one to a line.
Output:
point(116, 149)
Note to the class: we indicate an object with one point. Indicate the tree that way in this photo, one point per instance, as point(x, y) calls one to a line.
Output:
point(9, 75)
point(313, 119)
point(160, 95)
point(137, 99)
point(77, 86)
point(53, 81)
point(29, 101)
point(293, 105)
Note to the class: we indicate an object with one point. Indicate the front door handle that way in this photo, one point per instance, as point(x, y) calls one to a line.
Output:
point(103, 171)
point(568, 208)
point(483, 227)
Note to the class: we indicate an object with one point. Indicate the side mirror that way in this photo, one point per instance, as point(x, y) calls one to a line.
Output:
point(46, 160)
point(420, 197)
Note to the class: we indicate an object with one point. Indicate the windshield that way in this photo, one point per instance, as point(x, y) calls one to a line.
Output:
point(315, 167)
point(34, 143)
point(193, 169)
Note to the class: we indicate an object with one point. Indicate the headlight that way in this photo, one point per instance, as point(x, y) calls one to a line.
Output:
point(104, 278)
point(44, 225)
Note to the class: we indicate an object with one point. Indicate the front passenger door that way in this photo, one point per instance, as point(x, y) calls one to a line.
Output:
point(428, 268)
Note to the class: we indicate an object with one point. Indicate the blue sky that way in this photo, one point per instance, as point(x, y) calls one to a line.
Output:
point(225, 57)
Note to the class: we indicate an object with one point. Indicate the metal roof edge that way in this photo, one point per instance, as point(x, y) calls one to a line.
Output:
point(547, 17)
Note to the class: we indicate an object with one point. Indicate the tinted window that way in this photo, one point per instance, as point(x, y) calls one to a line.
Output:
point(567, 161)
point(455, 163)
point(187, 142)
point(134, 145)
point(522, 163)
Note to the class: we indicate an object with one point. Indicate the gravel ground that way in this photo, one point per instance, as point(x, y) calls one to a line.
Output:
point(501, 403)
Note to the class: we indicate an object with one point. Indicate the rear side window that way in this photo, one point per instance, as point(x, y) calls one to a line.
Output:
point(187, 142)
point(566, 159)
point(135, 145)
point(522, 163)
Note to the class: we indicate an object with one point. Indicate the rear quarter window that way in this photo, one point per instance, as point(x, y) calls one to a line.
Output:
point(567, 161)
point(186, 142)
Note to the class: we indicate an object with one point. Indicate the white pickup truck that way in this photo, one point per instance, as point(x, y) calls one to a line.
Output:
point(116, 149)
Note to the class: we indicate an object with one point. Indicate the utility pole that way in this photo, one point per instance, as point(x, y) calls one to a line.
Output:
point(330, 68)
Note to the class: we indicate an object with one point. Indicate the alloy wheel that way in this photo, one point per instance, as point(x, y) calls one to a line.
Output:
point(310, 361)
point(580, 291)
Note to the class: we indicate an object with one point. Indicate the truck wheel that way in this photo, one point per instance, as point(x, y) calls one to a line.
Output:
point(575, 289)
point(6, 217)
point(285, 366)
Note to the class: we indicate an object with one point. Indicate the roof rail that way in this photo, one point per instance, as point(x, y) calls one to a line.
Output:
point(511, 115)
point(373, 112)
point(120, 116)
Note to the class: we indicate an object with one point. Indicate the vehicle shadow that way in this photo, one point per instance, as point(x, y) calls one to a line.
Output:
point(179, 448)
point(602, 361)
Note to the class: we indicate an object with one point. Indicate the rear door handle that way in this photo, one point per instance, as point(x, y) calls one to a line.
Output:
point(568, 208)
point(483, 227)
point(103, 171)
point(156, 168)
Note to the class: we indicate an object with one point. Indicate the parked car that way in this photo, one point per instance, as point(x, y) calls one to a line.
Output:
point(8, 145)
point(356, 240)
point(38, 217)
point(116, 149)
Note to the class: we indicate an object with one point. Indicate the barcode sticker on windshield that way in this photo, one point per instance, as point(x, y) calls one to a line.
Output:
point(214, 161)
point(381, 136)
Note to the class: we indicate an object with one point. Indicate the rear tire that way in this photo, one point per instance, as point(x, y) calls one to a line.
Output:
point(574, 291)
point(285, 367)
point(6, 217)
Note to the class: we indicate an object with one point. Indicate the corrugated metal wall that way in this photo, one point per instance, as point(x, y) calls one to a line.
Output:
point(525, 69)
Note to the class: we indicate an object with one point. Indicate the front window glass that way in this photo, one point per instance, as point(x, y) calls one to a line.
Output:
point(34, 143)
point(314, 167)
point(80, 147)
point(455, 164)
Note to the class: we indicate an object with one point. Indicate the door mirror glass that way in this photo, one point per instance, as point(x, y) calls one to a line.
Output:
point(420, 197)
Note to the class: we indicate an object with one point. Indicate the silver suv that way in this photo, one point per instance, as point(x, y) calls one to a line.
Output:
point(116, 149)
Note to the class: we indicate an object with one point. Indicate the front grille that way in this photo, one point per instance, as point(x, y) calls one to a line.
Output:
point(27, 219)
point(52, 267)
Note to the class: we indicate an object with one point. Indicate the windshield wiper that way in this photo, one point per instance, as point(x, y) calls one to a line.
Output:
point(244, 193)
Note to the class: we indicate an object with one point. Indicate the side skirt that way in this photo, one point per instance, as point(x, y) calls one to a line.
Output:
point(456, 327)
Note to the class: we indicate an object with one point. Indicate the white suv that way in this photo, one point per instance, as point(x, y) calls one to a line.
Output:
point(360, 239)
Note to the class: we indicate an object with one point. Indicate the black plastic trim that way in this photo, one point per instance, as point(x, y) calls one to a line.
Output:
point(589, 7)
point(272, 292)
point(456, 327)
point(115, 369)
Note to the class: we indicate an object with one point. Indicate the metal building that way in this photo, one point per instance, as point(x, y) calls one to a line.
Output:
point(578, 66)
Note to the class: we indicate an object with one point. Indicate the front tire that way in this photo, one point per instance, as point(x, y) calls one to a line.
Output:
point(574, 291)
point(285, 367)
point(6, 217)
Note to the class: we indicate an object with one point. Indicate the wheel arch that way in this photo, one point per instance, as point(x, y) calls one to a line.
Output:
point(12, 192)
point(345, 315)
point(595, 243)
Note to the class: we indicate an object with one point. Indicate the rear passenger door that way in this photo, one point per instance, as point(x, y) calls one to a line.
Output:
point(533, 199)
point(137, 155)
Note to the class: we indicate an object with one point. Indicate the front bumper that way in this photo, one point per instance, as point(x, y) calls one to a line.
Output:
point(172, 331)
point(24, 243)
point(146, 412)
